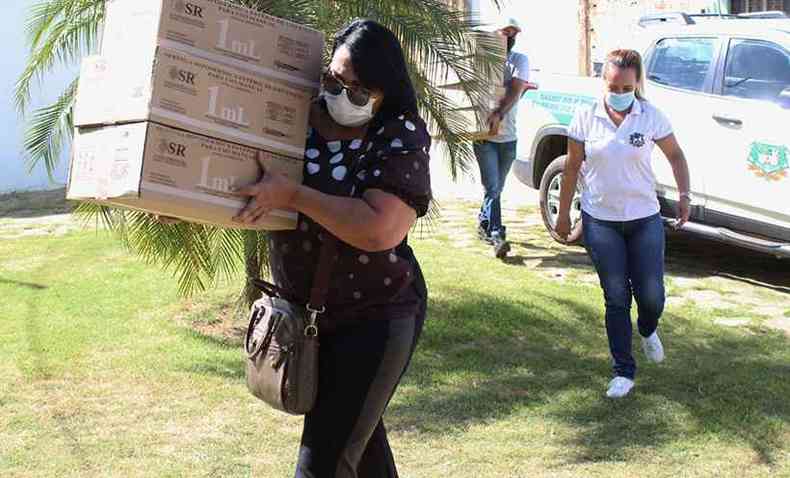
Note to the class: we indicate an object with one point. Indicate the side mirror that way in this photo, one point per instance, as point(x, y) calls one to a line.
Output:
point(784, 98)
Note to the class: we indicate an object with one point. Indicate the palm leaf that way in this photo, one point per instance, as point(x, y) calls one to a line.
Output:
point(60, 32)
point(48, 129)
point(437, 42)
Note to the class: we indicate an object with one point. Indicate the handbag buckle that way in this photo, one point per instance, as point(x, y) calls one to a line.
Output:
point(312, 329)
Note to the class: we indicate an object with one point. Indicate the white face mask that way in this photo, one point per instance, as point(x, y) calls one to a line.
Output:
point(346, 113)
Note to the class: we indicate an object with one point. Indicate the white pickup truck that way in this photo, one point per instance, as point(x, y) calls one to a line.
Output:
point(725, 86)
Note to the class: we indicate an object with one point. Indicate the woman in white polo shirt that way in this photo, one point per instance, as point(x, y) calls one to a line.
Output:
point(610, 145)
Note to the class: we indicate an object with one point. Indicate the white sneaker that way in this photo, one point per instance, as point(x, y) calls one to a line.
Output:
point(619, 387)
point(653, 348)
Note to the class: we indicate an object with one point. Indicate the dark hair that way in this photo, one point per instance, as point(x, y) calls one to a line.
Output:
point(378, 61)
point(630, 59)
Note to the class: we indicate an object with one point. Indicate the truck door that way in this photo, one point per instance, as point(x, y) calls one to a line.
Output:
point(680, 78)
point(750, 175)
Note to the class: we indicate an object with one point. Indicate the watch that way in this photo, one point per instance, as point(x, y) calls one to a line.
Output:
point(687, 195)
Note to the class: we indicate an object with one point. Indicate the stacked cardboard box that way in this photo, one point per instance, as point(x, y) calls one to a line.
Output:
point(172, 114)
point(476, 113)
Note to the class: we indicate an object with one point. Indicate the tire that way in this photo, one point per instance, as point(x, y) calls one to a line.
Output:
point(549, 203)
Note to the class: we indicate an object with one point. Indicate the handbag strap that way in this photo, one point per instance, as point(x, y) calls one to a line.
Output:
point(323, 275)
point(319, 292)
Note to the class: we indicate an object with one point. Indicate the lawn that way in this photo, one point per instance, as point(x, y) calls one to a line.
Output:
point(105, 371)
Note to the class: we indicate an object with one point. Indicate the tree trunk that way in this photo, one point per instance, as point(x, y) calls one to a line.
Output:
point(252, 266)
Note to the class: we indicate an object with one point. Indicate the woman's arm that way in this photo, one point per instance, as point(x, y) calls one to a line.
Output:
point(680, 169)
point(568, 188)
point(378, 221)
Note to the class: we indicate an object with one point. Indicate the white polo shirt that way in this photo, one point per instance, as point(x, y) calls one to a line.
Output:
point(617, 177)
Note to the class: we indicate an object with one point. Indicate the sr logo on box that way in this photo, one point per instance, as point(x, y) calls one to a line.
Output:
point(189, 8)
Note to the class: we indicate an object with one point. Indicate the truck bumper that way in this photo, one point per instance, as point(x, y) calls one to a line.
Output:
point(524, 170)
point(777, 249)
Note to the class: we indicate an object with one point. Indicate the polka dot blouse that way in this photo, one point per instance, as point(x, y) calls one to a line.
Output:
point(393, 157)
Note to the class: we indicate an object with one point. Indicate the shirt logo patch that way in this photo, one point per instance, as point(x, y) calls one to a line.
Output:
point(637, 140)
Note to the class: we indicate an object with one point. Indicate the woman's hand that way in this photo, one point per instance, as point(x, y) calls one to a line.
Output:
point(167, 220)
point(274, 191)
point(680, 169)
point(684, 211)
point(563, 227)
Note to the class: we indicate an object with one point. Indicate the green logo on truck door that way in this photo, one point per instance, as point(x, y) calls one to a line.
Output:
point(769, 161)
point(561, 105)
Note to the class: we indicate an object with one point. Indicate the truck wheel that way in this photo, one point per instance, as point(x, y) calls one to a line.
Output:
point(550, 202)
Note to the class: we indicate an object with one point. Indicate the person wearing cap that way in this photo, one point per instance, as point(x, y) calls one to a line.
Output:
point(495, 155)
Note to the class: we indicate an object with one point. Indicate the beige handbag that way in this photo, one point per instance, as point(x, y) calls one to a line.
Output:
point(282, 342)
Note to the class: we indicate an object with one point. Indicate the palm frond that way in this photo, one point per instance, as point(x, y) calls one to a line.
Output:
point(60, 32)
point(48, 129)
point(438, 43)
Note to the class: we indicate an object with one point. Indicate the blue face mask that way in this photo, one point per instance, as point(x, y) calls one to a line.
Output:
point(622, 101)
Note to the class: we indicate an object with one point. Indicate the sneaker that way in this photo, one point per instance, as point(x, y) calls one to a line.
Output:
point(501, 246)
point(619, 387)
point(653, 348)
point(482, 233)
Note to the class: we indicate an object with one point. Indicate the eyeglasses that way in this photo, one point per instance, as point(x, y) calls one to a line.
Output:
point(358, 95)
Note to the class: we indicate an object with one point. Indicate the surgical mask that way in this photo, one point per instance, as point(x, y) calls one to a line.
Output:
point(621, 101)
point(345, 113)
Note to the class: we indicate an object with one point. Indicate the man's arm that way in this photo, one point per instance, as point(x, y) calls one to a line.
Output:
point(518, 85)
point(514, 91)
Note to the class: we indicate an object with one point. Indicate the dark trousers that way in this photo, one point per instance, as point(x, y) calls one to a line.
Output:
point(495, 160)
point(629, 258)
point(361, 364)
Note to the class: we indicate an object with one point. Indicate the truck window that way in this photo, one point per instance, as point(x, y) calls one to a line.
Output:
point(756, 70)
point(682, 62)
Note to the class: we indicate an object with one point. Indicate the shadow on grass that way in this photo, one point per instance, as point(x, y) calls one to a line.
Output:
point(219, 365)
point(27, 285)
point(687, 256)
point(483, 359)
point(511, 356)
point(694, 257)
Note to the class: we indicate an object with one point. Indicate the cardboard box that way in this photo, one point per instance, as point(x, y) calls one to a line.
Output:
point(170, 172)
point(476, 115)
point(188, 92)
point(490, 42)
point(217, 31)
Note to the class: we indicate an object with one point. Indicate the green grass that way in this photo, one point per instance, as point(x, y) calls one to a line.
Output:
point(105, 372)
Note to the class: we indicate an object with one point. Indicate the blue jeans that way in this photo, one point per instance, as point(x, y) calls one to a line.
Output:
point(495, 160)
point(629, 258)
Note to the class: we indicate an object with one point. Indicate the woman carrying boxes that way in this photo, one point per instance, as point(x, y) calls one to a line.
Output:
point(366, 182)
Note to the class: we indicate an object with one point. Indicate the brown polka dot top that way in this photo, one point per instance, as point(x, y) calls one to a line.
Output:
point(393, 157)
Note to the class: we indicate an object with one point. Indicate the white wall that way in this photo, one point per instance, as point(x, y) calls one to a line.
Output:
point(14, 175)
point(550, 33)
